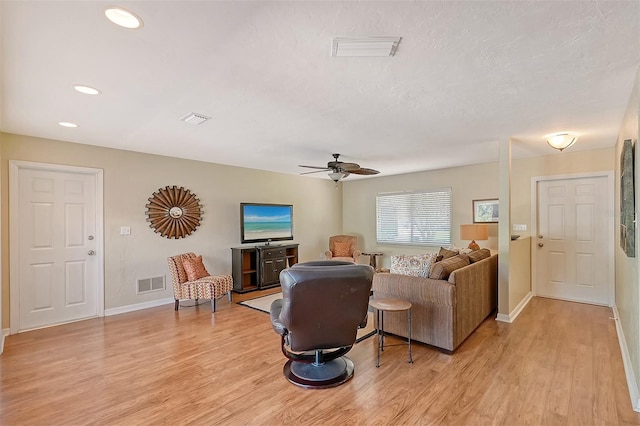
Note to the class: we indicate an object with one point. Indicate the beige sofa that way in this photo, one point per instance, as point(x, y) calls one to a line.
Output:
point(444, 313)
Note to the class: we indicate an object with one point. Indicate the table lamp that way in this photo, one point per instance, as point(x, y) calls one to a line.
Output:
point(477, 231)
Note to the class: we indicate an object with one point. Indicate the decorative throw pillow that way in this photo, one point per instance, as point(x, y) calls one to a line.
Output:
point(447, 253)
point(341, 249)
point(477, 255)
point(415, 265)
point(441, 270)
point(194, 268)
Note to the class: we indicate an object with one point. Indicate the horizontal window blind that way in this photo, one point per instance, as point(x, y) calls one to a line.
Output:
point(416, 218)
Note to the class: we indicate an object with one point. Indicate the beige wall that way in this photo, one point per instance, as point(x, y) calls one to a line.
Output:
point(523, 169)
point(319, 210)
point(627, 295)
point(466, 183)
point(519, 271)
point(559, 163)
point(129, 180)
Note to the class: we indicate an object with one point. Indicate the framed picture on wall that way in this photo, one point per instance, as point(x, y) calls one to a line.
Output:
point(485, 211)
point(627, 201)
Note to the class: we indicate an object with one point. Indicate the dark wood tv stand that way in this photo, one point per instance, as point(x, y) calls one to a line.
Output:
point(258, 267)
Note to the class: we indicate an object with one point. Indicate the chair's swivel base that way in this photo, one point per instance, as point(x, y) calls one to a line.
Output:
point(318, 376)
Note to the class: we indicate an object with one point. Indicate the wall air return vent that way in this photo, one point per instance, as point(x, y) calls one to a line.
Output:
point(147, 285)
point(365, 46)
point(194, 118)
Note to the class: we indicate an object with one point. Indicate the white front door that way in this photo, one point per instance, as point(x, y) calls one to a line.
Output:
point(57, 240)
point(572, 242)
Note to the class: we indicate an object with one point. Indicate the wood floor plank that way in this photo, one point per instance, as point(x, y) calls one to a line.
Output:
point(559, 363)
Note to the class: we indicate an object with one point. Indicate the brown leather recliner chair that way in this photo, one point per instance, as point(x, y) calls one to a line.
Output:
point(323, 305)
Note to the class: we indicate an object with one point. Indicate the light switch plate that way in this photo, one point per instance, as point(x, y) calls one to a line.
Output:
point(519, 227)
point(125, 230)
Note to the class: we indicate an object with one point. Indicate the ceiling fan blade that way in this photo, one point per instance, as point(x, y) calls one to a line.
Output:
point(314, 167)
point(349, 166)
point(364, 171)
point(316, 171)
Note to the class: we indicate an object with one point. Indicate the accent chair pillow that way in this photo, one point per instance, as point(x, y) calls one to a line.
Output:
point(416, 265)
point(441, 270)
point(194, 268)
point(341, 249)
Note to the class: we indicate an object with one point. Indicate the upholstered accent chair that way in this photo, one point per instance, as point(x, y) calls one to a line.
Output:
point(203, 287)
point(343, 247)
point(323, 304)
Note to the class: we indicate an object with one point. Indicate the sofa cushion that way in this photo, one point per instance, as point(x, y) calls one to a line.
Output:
point(418, 265)
point(477, 255)
point(442, 269)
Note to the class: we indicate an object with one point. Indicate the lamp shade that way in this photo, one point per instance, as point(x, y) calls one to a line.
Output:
point(479, 231)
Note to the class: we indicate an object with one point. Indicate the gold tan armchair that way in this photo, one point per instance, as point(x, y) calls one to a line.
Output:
point(343, 247)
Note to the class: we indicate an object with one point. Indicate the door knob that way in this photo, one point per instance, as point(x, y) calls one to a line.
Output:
point(540, 236)
point(91, 253)
point(540, 244)
point(90, 237)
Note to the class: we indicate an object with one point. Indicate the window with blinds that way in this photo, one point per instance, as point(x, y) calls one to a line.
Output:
point(416, 218)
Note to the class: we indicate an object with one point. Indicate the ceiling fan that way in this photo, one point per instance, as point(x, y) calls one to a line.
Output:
point(340, 169)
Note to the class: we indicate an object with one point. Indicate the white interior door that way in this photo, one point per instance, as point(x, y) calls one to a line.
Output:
point(57, 272)
point(572, 242)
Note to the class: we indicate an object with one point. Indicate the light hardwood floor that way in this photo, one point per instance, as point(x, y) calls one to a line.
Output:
point(559, 363)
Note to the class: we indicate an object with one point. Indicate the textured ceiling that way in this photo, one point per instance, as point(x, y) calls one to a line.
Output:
point(466, 74)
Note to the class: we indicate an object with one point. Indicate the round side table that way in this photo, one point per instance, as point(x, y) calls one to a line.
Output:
point(390, 305)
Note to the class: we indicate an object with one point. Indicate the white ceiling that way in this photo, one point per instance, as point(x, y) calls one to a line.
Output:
point(466, 74)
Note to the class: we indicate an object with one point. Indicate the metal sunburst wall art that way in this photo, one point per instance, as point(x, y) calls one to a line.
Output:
point(174, 212)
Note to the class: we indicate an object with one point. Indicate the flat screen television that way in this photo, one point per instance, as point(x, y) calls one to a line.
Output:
point(261, 222)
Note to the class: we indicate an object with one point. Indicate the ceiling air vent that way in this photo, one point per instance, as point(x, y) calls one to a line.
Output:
point(365, 46)
point(193, 118)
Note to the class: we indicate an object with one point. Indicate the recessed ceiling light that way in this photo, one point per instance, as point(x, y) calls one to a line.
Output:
point(67, 124)
point(123, 17)
point(87, 90)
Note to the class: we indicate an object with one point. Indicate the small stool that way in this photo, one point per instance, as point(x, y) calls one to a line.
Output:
point(391, 305)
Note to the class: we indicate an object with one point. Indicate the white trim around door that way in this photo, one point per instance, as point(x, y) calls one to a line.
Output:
point(14, 259)
point(610, 226)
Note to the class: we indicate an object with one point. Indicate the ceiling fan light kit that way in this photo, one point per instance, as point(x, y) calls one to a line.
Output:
point(335, 176)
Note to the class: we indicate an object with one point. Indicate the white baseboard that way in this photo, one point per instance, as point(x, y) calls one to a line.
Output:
point(517, 311)
point(634, 392)
point(5, 333)
point(137, 306)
